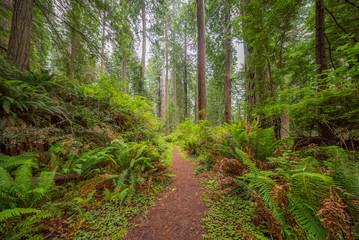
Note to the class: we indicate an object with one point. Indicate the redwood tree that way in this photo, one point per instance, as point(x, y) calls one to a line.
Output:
point(321, 59)
point(227, 63)
point(143, 59)
point(185, 88)
point(20, 35)
point(201, 62)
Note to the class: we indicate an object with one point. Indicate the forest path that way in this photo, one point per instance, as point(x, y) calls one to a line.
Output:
point(178, 213)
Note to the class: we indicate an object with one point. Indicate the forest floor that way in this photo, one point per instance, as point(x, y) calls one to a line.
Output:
point(178, 213)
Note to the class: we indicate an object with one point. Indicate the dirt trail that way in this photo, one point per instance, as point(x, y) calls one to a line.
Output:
point(178, 213)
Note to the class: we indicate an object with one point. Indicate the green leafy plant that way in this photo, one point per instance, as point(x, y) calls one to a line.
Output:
point(21, 193)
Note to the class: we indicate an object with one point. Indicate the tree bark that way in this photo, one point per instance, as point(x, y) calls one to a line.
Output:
point(175, 92)
point(74, 66)
point(167, 65)
point(20, 35)
point(159, 101)
point(196, 108)
point(251, 97)
point(124, 74)
point(6, 24)
point(284, 130)
point(163, 84)
point(143, 60)
point(321, 56)
point(185, 82)
point(321, 60)
point(102, 66)
point(227, 62)
point(201, 62)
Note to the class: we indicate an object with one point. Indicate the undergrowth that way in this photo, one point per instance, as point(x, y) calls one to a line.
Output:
point(229, 215)
point(104, 220)
point(75, 158)
point(282, 191)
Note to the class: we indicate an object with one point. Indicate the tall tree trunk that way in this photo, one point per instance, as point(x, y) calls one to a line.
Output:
point(175, 92)
point(74, 64)
point(201, 62)
point(196, 108)
point(124, 74)
point(159, 97)
point(20, 35)
point(185, 82)
point(284, 131)
point(220, 110)
point(251, 97)
point(321, 56)
point(227, 62)
point(163, 86)
point(6, 24)
point(143, 60)
point(321, 59)
point(74, 52)
point(167, 66)
point(102, 66)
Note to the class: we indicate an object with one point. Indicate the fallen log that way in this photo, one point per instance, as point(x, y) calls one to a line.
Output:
point(60, 178)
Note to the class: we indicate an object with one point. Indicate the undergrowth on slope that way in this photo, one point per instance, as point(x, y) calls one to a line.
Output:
point(103, 220)
point(71, 150)
point(309, 192)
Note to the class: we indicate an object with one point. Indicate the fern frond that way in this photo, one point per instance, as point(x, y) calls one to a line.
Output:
point(23, 182)
point(29, 233)
point(305, 217)
point(311, 187)
point(28, 158)
point(9, 213)
point(36, 218)
point(47, 180)
point(246, 160)
point(6, 181)
point(36, 237)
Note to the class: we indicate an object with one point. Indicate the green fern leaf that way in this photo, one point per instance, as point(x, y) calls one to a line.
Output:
point(23, 182)
point(304, 216)
point(9, 213)
point(6, 181)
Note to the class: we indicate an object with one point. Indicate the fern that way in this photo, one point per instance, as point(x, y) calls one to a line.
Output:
point(344, 172)
point(23, 183)
point(311, 187)
point(246, 160)
point(33, 219)
point(9, 163)
point(45, 182)
point(304, 216)
point(22, 190)
point(15, 212)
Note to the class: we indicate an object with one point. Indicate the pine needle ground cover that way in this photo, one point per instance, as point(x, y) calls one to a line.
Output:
point(262, 189)
point(75, 158)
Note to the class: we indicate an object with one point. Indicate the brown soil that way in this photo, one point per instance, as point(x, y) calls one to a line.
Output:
point(178, 213)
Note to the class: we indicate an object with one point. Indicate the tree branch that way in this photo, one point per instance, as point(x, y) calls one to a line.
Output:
point(336, 22)
point(353, 4)
point(330, 51)
point(3, 48)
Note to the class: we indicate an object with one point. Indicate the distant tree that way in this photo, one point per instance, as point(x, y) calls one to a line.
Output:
point(144, 36)
point(5, 26)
